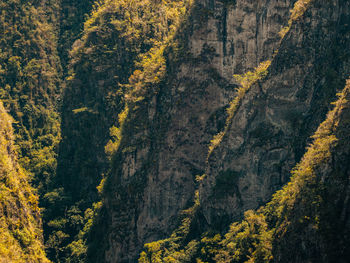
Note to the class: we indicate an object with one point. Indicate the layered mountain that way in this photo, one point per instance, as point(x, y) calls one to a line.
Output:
point(268, 132)
point(164, 131)
point(209, 124)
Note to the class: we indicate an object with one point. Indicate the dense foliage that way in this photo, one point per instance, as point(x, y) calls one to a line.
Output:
point(20, 223)
point(72, 15)
point(30, 87)
point(114, 64)
point(29, 83)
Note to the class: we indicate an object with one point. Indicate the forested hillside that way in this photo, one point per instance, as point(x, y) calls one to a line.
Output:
point(174, 131)
point(30, 83)
point(21, 238)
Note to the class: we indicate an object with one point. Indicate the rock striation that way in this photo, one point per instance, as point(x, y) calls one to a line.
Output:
point(269, 132)
point(221, 39)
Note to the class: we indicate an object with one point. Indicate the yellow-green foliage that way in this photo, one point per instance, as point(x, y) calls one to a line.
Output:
point(151, 66)
point(146, 27)
point(121, 51)
point(20, 225)
point(29, 82)
point(252, 239)
point(298, 10)
point(247, 241)
point(246, 81)
point(317, 154)
point(79, 110)
point(116, 133)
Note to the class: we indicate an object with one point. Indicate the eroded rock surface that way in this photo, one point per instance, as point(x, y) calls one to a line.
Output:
point(269, 132)
point(223, 38)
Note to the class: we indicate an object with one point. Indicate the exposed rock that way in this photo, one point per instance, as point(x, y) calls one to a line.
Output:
point(268, 134)
point(223, 39)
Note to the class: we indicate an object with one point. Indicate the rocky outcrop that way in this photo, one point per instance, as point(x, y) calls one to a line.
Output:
point(269, 132)
point(153, 180)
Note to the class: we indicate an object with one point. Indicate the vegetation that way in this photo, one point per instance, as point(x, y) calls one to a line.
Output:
point(298, 10)
point(116, 133)
point(20, 224)
point(114, 64)
point(169, 250)
point(157, 25)
point(249, 78)
point(72, 15)
point(29, 88)
point(300, 207)
point(118, 62)
point(29, 84)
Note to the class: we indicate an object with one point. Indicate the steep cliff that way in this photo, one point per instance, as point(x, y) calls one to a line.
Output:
point(119, 37)
point(306, 221)
point(315, 204)
point(165, 139)
point(260, 144)
point(20, 224)
point(268, 133)
point(177, 118)
point(167, 136)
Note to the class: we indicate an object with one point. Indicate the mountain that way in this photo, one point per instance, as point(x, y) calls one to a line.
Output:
point(306, 221)
point(175, 130)
point(236, 139)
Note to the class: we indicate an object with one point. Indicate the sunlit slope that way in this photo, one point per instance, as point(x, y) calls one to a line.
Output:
point(20, 223)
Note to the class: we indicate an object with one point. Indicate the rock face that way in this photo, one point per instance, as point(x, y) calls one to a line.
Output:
point(223, 39)
point(269, 132)
point(305, 221)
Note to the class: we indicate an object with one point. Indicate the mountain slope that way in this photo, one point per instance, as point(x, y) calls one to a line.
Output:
point(157, 124)
point(20, 224)
point(268, 133)
point(165, 143)
point(306, 221)
point(30, 82)
point(119, 37)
